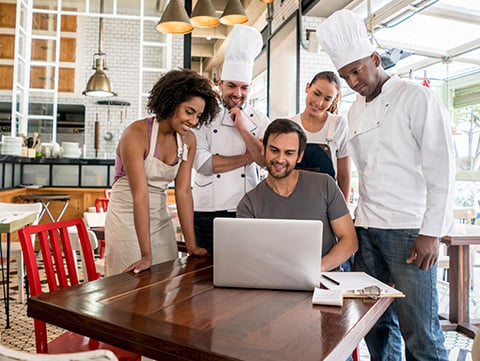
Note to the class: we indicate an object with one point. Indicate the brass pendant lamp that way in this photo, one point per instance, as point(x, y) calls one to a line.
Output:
point(204, 15)
point(175, 19)
point(234, 13)
point(99, 85)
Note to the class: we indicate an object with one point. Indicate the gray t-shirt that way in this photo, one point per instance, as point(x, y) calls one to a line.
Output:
point(316, 197)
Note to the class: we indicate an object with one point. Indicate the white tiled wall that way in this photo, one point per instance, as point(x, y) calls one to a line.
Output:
point(121, 43)
point(311, 63)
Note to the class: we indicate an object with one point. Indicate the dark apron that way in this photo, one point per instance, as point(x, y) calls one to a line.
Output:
point(317, 158)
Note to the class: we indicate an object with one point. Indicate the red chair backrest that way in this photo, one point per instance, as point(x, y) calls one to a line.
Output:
point(55, 246)
point(101, 204)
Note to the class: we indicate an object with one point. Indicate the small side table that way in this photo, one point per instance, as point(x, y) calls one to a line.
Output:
point(45, 199)
point(10, 222)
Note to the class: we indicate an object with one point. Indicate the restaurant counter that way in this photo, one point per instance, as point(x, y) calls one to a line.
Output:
point(56, 172)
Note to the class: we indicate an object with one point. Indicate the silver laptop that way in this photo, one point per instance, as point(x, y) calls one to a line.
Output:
point(267, 253)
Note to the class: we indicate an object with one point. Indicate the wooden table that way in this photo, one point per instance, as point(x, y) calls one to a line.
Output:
point(45, 199)
point(10, 222)
point(459, 242)
point(173, 312)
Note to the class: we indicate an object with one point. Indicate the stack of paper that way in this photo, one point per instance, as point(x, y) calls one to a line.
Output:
point(327, 297)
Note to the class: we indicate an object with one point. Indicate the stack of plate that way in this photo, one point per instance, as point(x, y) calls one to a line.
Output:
point(12, 145)
point(71, 150)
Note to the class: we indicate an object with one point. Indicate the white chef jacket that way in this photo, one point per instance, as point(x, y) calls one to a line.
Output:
point(222, 191)
point(402, 147)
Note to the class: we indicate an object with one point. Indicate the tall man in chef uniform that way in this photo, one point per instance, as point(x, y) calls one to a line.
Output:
point(401, 144)
point(229, 149)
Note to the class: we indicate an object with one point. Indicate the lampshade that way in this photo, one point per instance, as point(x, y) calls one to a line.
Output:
point(234, 13)
point(174, 19)
point(204, 15)
point(98, 85)
point(267, 1)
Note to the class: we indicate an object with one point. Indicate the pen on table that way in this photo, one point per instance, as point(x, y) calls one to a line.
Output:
point(331, 279)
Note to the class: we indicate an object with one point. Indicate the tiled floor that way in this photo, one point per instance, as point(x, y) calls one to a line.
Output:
point(21, 334)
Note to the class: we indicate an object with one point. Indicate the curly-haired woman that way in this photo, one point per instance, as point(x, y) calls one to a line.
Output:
point(152, 153)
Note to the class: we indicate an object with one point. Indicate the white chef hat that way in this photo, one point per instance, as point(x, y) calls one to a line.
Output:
point(243, 46)
point(344, 37)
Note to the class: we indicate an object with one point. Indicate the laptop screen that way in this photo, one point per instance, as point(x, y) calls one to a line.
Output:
point(267, 253)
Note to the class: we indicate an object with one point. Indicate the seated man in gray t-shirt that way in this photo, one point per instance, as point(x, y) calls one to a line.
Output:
point(296, 194)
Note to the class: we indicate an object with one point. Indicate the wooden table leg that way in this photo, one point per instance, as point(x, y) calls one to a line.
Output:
point(459, 284)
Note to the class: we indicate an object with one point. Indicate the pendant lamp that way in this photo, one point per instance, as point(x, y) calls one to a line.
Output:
point(204, 15)
point(99, 85)
point(175, 19)
point(234, 13)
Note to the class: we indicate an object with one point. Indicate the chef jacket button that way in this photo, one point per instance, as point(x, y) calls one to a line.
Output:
point(218, 175)
point(243, 175)
point(217, 154)
point(251, 115)
point(387, 105)
point(378, 123)
point(355, 132)
point(253, 133)
point(215, 131)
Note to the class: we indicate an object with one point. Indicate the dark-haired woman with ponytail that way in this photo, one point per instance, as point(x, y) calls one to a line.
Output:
point(327, 132)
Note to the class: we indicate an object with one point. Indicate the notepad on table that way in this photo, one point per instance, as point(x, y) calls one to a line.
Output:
point(351, 283)
point(327, 297)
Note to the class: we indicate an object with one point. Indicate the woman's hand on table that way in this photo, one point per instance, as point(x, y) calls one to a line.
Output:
point(197, 251)
point(139, 266)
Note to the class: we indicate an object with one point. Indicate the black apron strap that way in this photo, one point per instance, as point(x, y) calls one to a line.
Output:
point(317, 158)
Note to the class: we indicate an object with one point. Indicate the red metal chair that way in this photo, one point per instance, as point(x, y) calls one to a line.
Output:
point(107, 193)
point(56, 248)
point(101, 204)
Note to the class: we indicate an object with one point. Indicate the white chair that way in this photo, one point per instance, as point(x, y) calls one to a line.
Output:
point(76, 247)
point(15, 249)
point(93, 220)
point(7, 354)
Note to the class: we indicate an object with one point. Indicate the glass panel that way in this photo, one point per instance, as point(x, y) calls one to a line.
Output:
point(154, 7)
point(155, 57)
point(36, 174)
point(112, 174)
point(149, 80)
point(43, 50)
point(44, 127)
point(16, 180)
point(42, 77)
point(40, 109)
point(94, 176)
point(72, 5)
point(128, 7)
point(8, 175)
point(22, 49)
point(65, 175)
point(150, 33)
point(283, 93)
point(107, 6)
point(1, 174)
point(23, 17)
point(20, 73)
point(42, 21)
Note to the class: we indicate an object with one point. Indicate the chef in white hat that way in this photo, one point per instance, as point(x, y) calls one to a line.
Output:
point(229, 149)
point(401, 144)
